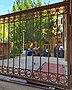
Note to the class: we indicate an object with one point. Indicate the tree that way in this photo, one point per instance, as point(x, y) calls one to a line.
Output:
point(24, 5)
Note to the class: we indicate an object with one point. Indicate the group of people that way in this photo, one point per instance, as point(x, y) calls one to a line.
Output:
point(34, 51)
point(59, 51)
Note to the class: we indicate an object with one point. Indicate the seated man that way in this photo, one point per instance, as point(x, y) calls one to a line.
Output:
point(30, 52)
point(56, 50)
point(46, 53)
point(61, 52)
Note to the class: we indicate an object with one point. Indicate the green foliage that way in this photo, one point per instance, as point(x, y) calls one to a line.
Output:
point(19, 5)
point(17, 38)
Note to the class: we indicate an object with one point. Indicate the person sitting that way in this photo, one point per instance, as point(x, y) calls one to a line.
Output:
point(56, 50)
point(38, 51)
point(46, 53)
point(29, 52)
point(61, 52)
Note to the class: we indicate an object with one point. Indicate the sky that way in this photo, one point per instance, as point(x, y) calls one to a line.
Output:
point(6, 5)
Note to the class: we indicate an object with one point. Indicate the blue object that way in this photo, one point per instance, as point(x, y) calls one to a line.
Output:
point(61, 53)
point(46, 54)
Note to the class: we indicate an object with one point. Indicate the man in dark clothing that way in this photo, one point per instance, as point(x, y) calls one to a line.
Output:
point(56, 51)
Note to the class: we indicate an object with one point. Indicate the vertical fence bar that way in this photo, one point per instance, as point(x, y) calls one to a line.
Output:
point(57, 42)
point(40, 39)
point(19, 41)
point(71, 37)
point(8, 44)
point(3, 44)
point(48, 40)
point(68, 42)
point(63, 29)
point(13, 43)
point(32, 42)
point(26, 46)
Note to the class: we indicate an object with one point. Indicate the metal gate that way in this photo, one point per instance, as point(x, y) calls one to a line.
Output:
point(28, 40)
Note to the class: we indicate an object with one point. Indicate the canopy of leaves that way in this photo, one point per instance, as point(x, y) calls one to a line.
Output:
point(32, 28)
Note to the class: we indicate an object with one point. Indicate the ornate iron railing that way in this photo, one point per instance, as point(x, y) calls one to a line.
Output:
point(21, 30)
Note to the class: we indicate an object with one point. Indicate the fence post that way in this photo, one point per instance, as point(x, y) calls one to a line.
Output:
point(71, 38)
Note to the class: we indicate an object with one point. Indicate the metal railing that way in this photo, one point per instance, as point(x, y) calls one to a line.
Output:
point(38, 25)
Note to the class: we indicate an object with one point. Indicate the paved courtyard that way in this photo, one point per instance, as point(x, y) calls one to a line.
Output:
point(36, 62)
point(11, 86)
point(29, 61)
